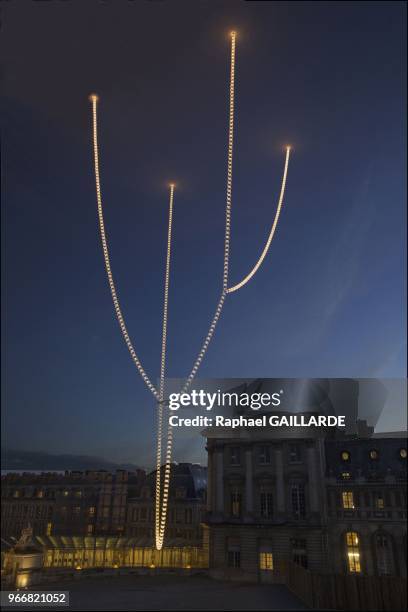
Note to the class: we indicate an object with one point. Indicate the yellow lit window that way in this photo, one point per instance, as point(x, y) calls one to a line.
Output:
point(348, 499)
point(89, 529)
point(403, 453)
point(92, 510)
point(373, 454)
point(266, 561)
point(49, 529)
point(345, 455)
point(345, 475)
point(353, 552)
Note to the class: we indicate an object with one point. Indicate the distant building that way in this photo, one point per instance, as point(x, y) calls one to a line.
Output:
point(74, 503)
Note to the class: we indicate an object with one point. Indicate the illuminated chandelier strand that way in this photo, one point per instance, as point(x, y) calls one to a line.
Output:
point(272, 232)
point(160, 406)
point(119, 316)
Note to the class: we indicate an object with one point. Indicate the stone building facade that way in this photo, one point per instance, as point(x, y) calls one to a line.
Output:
point(100, 503)
point(74, 503)
point(274, 500)
point(367, 505)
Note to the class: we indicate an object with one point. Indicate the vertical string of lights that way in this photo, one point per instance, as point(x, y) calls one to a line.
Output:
point(162, 492)
point(158, 535)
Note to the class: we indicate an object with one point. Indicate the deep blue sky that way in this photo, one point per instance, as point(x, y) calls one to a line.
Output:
point(326, 77)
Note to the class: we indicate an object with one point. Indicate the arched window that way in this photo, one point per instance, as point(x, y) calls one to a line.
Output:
point(384, 554)
point(353, 552)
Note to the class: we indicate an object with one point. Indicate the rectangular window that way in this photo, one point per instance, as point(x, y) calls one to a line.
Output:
point(49, 529)
point(236, 499)
point(298, 501)
point(299, 552)
point(265, 455)
point(379, 502)
point(266, 561)
point(353, 552)
point(91, 510)
point(348, 500)
point(294, 453)
point(89, 529)
point(235, 455)
point(266, 504)
point(234, 558)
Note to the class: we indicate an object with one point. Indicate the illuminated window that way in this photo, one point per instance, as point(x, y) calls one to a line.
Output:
point(91, 510)
point(78, 493)
point(40, 493)
point(49, 529)
point(374, 454)
point(403, 453)
point(353, 552)
point(348, 499)
point(66, 493)
point(346, 475)
point(89, 529)
point(345, 456)
point(236, 503)
point(266, 561)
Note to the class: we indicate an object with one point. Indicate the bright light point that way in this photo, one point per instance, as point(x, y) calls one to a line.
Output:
point(233, 34)
point(288, 147)
point(93, 97)
point(172, 185)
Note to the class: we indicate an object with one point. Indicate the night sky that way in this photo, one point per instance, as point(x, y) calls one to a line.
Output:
point(326, 77)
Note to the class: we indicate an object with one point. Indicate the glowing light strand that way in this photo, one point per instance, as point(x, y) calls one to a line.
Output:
point(163, 370)
point(271, 234)
point(166, 483)
point(119, 316)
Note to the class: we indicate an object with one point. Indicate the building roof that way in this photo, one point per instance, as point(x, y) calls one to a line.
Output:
point(189, 476)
